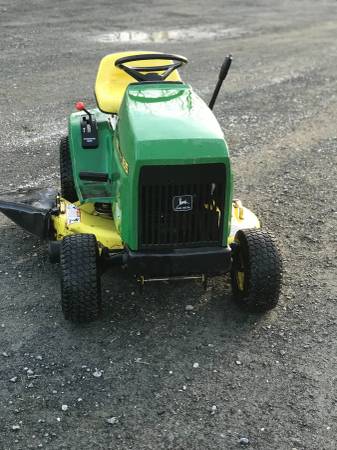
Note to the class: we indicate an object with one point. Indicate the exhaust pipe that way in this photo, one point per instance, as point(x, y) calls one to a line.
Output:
point(34, 220)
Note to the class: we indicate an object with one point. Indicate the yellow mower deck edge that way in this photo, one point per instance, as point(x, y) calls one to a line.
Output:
point(88, 221)
point(242, 218)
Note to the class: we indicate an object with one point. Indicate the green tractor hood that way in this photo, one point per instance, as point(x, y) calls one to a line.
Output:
point(168, 124)
point(164, 124)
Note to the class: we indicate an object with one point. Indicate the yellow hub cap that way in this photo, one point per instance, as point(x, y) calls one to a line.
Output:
point(240, 279)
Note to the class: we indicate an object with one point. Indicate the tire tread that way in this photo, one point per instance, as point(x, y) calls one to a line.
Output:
point(68, 190)
point(80, 280)
point(263, 270)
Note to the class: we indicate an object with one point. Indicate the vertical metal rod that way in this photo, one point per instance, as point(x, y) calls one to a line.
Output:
point(222, 75)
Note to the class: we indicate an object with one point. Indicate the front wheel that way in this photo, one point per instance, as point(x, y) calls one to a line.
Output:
point(256, 270)
point(80, 278)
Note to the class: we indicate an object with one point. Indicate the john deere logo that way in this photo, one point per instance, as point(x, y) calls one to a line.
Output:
point(182, 203)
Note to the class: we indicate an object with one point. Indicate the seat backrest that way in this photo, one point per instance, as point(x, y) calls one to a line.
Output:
point(111, 82)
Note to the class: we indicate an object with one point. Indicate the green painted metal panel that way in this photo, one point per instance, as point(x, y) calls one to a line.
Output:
point(161, 123)
point(167, 124)
point(98, 159)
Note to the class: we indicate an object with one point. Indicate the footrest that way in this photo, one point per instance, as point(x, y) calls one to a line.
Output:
point(94, 176)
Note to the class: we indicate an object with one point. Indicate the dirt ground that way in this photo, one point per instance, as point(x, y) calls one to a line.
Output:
point(269, 379)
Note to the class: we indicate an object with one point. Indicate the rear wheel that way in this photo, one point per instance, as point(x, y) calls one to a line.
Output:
point(257, 270)
point(80, 279)
point(68, 190)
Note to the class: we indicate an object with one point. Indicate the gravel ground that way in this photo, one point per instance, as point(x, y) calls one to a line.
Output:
point(151, 374)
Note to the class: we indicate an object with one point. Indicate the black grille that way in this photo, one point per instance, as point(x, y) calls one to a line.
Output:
point(163, 188)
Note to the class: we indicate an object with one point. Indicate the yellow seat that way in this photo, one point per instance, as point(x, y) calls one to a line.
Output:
point(111, 82)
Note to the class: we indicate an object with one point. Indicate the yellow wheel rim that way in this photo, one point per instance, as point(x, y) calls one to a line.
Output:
point(240, 280)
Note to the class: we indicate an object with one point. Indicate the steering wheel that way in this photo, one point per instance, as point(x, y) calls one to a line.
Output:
point(151, 71)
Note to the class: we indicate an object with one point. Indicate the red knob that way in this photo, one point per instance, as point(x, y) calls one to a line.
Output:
point(80, 106)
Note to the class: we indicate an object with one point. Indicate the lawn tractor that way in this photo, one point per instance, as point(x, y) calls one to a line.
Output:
point(146, 184)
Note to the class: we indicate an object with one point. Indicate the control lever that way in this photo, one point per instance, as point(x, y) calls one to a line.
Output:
point(89, 129)
point(222, 75)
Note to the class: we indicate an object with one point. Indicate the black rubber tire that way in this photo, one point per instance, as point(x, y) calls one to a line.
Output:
point(80, 278)
point(54, 248)
point(257, 256)
point(68, 190)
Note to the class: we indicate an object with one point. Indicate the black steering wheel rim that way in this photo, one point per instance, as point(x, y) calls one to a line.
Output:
point(151, 71)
